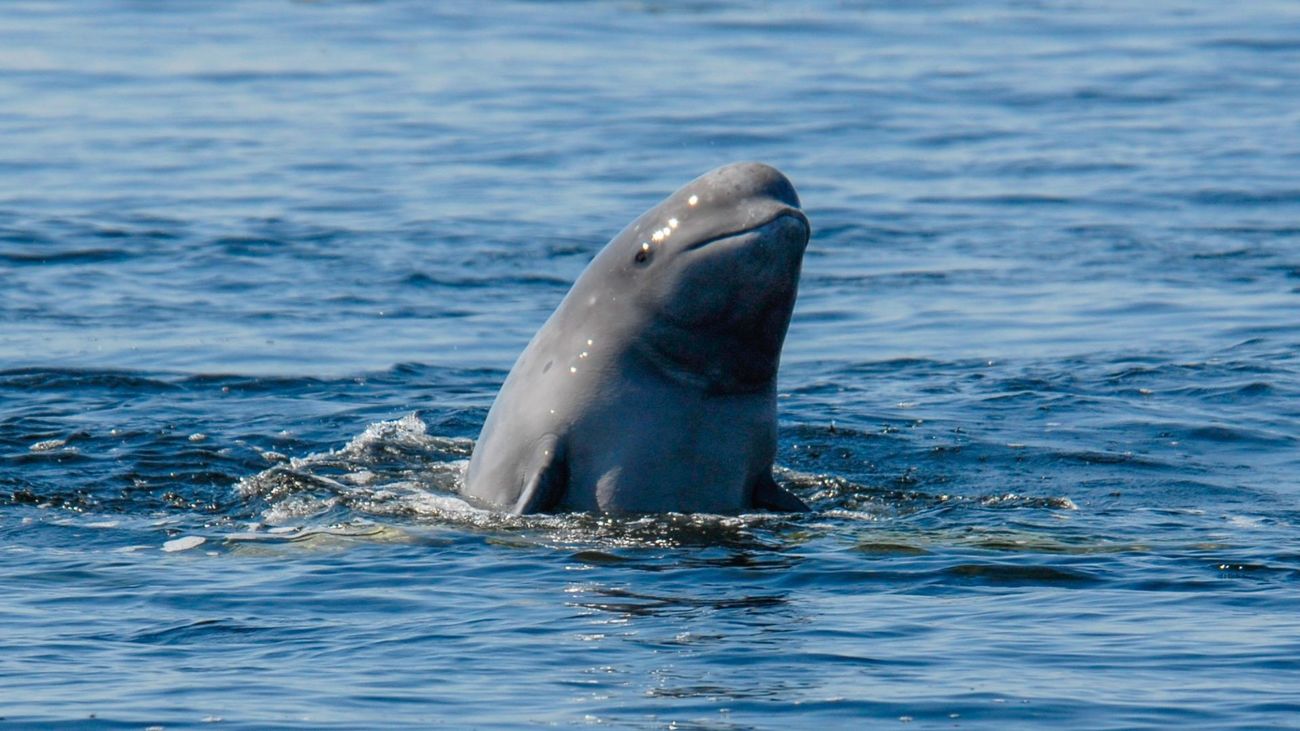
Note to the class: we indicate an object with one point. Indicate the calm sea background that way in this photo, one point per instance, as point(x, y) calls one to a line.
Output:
point(263, 266)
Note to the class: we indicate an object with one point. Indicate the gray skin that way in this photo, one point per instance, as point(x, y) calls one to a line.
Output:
point(652, 387)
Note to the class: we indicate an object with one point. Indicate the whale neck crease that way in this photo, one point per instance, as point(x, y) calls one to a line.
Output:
point(726, 374)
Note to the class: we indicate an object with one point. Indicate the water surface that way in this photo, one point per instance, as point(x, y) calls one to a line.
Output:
point(265, 264)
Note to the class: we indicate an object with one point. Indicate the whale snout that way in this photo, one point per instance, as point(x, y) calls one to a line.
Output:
point(754, 180)
point(784, 239)
point(797, 223)
point(787, 230)
point(788, 225)
point(736, 199)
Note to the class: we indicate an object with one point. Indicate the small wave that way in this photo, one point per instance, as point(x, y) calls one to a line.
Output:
point(1238, 434)
point(1229, 393)
point(72, 379)
point(960, 137)
point(295, 75)
point(250, 246)
point(1008, 199)
point(1241, 197)
point(621, 601)
point(1099, 457)
point(835, 496)
point(1233, 253)
point(71, 256)
point(1271, 45)
point(201, 631)
point(251, 384)
point(1018, 574)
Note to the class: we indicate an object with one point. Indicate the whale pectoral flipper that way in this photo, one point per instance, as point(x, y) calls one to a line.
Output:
point(548, 479)
point(771, 496)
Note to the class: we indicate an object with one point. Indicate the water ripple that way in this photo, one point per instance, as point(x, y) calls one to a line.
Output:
point(264, 273)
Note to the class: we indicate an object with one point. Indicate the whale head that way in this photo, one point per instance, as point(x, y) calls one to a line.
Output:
point(707, 279)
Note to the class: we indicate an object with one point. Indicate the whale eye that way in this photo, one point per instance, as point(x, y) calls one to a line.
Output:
point(643, 255)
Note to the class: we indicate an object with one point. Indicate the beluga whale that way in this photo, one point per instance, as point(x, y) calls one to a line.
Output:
point(652, 387)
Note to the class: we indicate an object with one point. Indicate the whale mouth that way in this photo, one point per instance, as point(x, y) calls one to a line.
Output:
point(793, 213)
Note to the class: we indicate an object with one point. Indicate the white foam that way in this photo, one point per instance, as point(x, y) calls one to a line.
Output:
point(48, 445)
point(183, 544)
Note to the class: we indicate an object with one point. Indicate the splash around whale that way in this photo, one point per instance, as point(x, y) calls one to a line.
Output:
point(652, 387)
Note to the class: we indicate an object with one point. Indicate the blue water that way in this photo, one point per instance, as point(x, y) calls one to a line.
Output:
point(263, 266)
